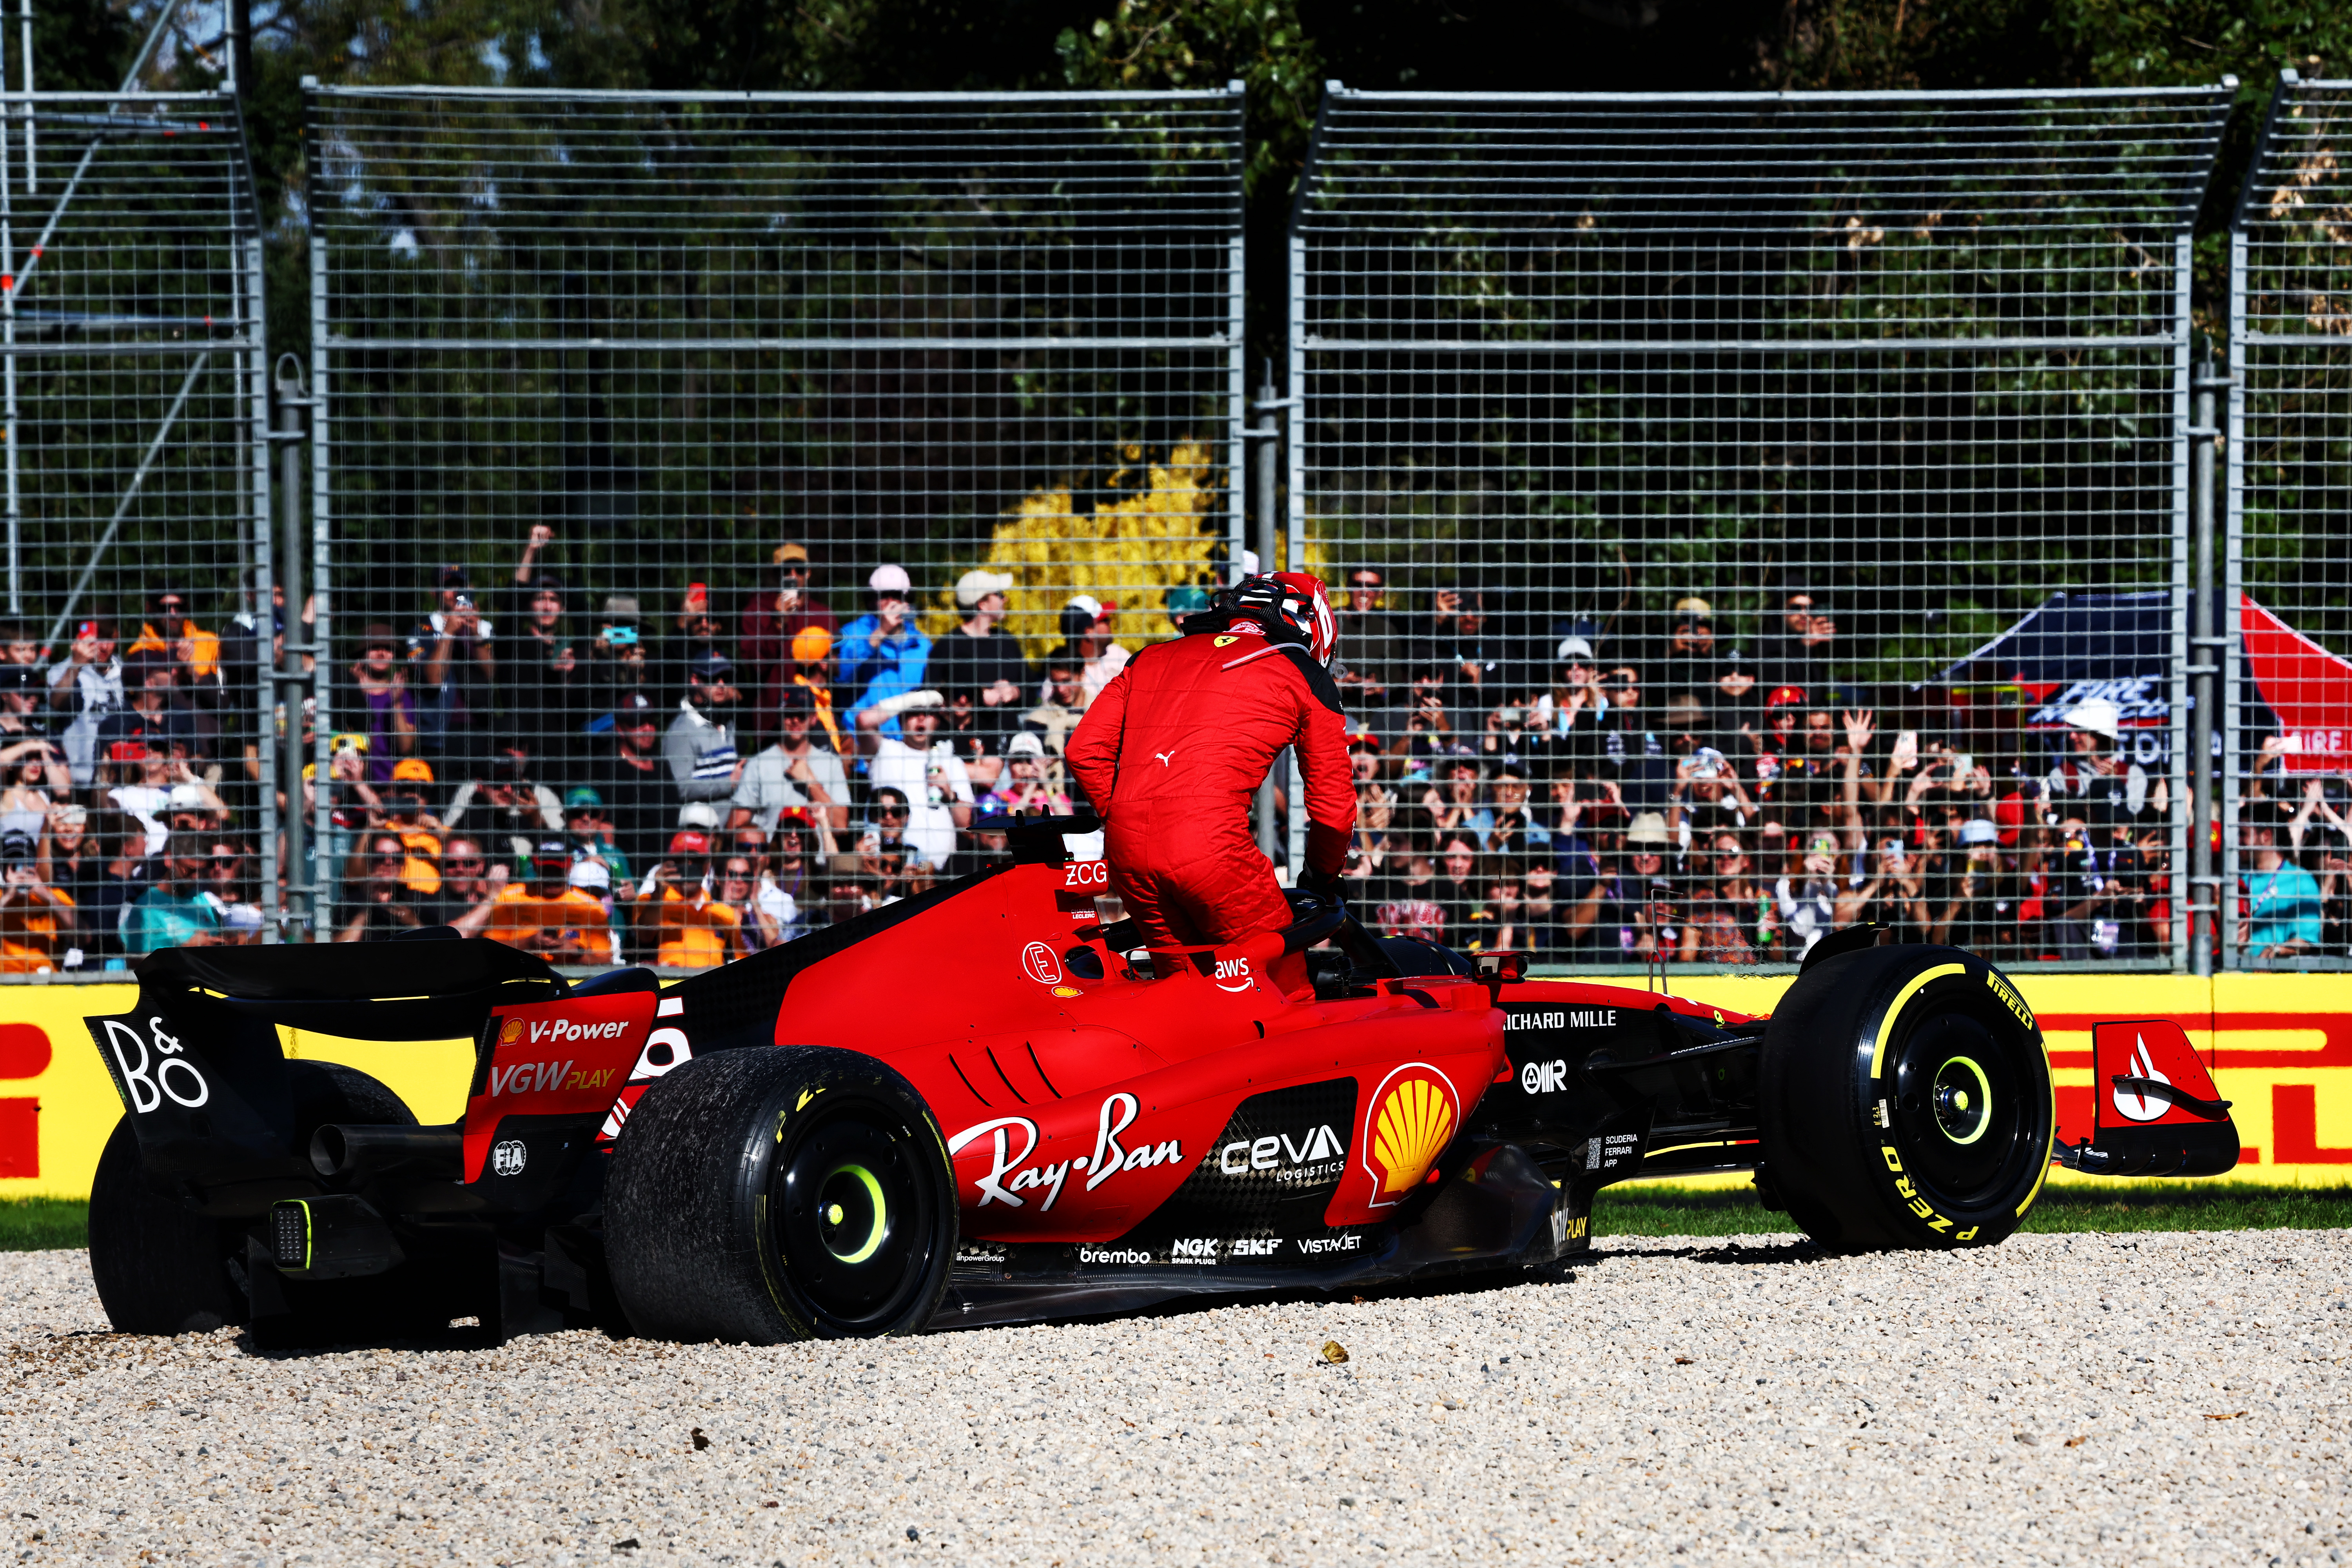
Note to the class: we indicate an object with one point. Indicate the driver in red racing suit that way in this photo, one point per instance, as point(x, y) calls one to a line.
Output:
point(1171, 752)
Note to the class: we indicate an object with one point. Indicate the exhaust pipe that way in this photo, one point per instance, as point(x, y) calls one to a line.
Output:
point(427, 1152)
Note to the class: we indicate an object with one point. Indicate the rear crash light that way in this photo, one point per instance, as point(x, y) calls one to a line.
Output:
point(336, 1237)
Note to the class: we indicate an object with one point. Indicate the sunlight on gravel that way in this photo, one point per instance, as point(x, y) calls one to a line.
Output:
point(2151, 1398)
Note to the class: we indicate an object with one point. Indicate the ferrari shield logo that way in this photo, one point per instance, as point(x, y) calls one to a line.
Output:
point(1227, 641)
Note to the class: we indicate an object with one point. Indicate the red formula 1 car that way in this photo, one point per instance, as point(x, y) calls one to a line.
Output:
point(972, 1107)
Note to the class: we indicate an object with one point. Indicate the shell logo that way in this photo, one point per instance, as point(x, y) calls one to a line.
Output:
point(1411, 1117)
point(511, 1033)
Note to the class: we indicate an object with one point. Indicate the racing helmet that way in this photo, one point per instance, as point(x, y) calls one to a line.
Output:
point(1291, 605)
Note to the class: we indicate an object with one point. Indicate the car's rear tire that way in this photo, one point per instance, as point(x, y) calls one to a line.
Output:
point(769, 1195)
point(1906, 1102)
point(162, 1269)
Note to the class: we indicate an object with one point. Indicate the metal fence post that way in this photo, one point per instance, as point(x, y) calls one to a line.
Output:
point(2204, 903)
point(292, 680)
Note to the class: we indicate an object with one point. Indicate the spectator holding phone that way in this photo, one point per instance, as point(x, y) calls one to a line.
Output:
point(981, 660)
point(543, 668)
point(793, 774)
point(883, 653)
point(458, 671)
point(1023, 790)
point(775, 617)
point(544, 913)
point(84, 688)
point(681, 910)
point(922, 768)
point(38, 924)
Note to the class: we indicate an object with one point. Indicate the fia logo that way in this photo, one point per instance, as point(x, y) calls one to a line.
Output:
point(509, 1158)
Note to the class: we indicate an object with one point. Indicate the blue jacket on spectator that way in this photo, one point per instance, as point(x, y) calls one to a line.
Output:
point(875, 672)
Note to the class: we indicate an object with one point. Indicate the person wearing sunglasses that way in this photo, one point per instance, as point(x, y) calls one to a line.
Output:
point(382, 890)
point(545, 914)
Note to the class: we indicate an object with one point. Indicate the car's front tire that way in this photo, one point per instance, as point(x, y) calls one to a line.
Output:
point(1906, 1102)
point(769, 1195)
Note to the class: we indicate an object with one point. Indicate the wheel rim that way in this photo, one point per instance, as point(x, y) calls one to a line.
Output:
point(851, 1217)
point(1958, 1106)
point(854, 1214)
point(1962, 1097)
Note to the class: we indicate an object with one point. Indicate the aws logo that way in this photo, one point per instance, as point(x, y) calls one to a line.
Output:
point(1411, 1117)
point(1234, 974)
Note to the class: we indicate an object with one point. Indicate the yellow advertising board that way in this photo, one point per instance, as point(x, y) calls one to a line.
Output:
point(2280, 1047)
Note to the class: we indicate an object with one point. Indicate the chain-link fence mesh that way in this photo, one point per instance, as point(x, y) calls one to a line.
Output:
point(1767, 512)
point(670, 443)
point(2287, 820)
point(137, 809)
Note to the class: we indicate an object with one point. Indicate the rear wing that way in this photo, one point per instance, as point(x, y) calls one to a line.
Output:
point(197, 1062)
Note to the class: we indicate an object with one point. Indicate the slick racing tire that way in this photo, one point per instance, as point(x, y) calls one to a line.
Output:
point(162, 1269)
point(777, 1194)
point(1906, 1102)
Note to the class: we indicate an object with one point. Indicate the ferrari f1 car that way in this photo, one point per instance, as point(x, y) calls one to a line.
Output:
point(981, 1106)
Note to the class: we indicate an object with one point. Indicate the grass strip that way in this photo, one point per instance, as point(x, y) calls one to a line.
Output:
point(39, 1225)
point(2158, 1205)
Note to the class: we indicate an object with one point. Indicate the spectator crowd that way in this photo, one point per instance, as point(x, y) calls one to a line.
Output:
point(600, 780)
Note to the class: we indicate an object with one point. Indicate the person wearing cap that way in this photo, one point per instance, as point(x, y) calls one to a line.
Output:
point(979, 656)
point(540, 667)
point(699, 746)
point(1023, 790)
point(174, 913)
point(1799, 649)
point(773, 614)
point(922, 766)
point(591, 835)
point(678, 910)
point(2093, 782)
point(617, 663)
point(883, 653)
point(1687, 664)
point(383, 685)
point(632, 780)
point(21, 718)
point(1085, 626)
point(1988, 896)
point(38, 923)
point(1654, 918)
point(794, 774)
point(544, 913)
point(1737, 701)
point(86, 686)
point(1505, 826)
point(506, 803)
point(812, 671)
point(455, 669)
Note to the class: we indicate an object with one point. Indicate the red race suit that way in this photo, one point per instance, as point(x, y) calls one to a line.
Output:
point(1170, 755)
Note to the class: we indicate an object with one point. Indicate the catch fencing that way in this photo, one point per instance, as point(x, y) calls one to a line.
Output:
point(135, 489)
point(727, 357)
point(1850, 383)
point(2287, 815)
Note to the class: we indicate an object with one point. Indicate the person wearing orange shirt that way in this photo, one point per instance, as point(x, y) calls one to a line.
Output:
point(694, 927)
point(546, 915)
